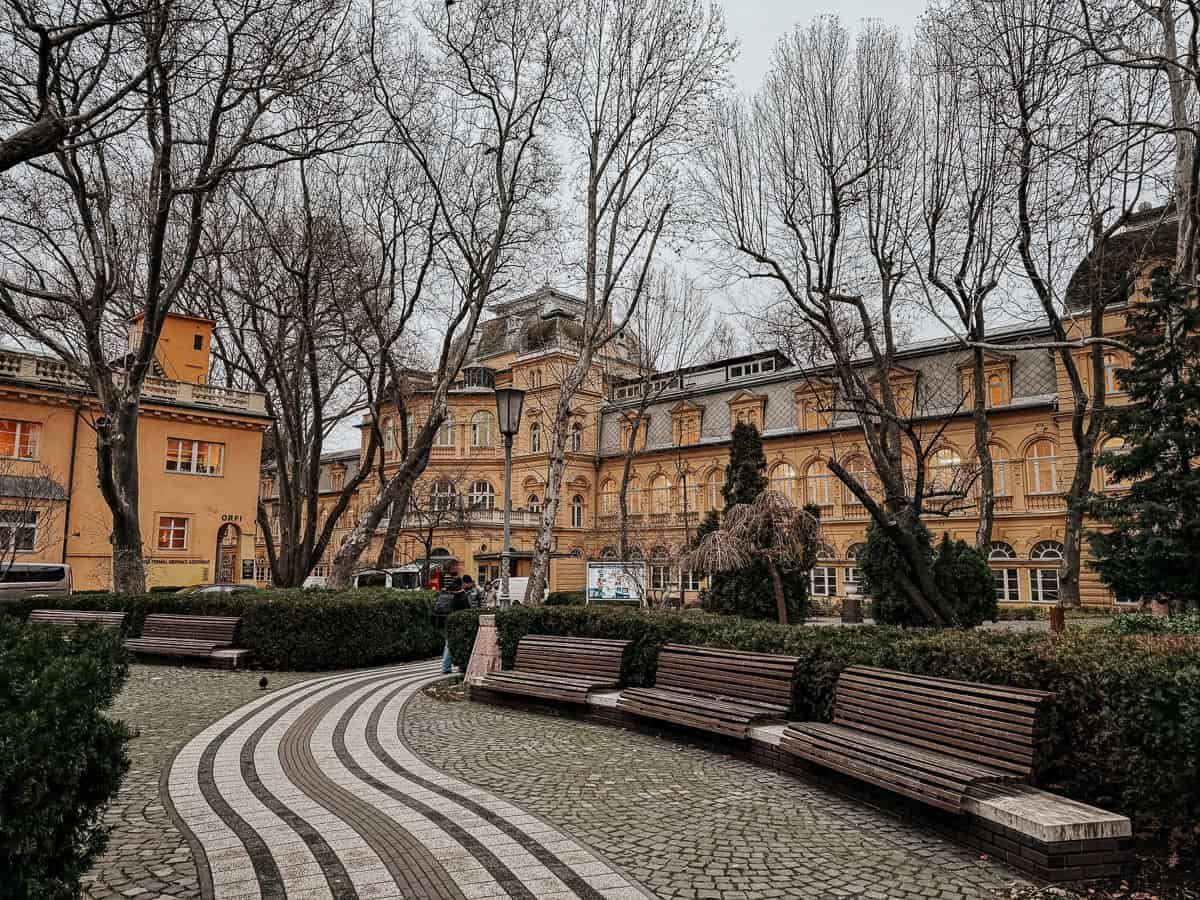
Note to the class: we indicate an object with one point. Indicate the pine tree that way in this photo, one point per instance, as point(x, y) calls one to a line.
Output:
point(1152, 549)
point(748, 592)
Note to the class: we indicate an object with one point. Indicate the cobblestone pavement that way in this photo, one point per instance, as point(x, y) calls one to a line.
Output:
point(147, 857)
point(690, 823)
point(310, 793)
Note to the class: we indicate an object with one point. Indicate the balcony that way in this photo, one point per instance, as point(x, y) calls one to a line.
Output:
point(41, 370)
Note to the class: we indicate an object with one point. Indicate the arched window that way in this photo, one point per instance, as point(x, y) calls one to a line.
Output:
point(824, 577)
point(608, 553)
point(633, 497)
point(535, 437)
point(783, 480)
point(608, 497)
point(660, 569)
point(943, 469)
point(534, 504)
point(1041, 467)
point(999, 470)
point(445, 434)
point(576, 553)
point(1008, 585)
point(443, 496)
point(660, 494)
point(483, 495)
point(818, 480)
point(1043, 583)
point(389, 435)
point(715, 489)
point(995, 389)
point(1114, 446)
point(577, 438)
point(577, 511)
point(1112, 382)
point(856, 468)
point(536, 378)
point(439, 551)
point(483, 429)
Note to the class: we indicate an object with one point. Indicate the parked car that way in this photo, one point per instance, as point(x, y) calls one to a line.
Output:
point(29, 581)
point(216, 589)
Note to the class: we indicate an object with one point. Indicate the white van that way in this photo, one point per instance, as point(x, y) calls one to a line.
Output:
point(34, 581)
point(404, 578)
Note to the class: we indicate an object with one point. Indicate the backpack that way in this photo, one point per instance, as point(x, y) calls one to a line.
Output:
point(443, 605)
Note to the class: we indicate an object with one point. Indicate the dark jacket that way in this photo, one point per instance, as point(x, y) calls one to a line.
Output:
point(458, 600)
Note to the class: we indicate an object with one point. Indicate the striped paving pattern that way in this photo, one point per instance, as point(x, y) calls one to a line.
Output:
point(310, 792)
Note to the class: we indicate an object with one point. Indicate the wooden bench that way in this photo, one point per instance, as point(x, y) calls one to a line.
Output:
point(926, 738)
point(560, 668)
point(171, 635)
point(724, 691)
point(71, 619)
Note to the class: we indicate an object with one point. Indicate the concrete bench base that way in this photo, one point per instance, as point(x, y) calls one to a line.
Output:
point(1043, 834)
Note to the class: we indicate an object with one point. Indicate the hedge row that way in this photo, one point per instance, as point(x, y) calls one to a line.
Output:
point(303, 630)
point(61, 757)
point(1145, 623)
point(1122, 732)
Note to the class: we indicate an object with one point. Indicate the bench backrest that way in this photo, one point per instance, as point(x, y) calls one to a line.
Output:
point(597, 658)
point(73, 618)
point(759, 677)
point(218, 629)
point(985, 723)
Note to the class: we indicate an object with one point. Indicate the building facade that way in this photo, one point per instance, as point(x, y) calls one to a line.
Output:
point(199, 451)
point(681, 452)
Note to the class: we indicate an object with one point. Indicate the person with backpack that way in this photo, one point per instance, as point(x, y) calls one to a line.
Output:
point(474, 594)
point(451, 599)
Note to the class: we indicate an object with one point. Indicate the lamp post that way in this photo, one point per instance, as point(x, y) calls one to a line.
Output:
point(508, 414)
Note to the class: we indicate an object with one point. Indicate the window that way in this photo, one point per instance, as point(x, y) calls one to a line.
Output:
point(443, 496)
point(818, 480)
point(577, 511)
point(687, 430)
point(716, 489)
point(535, 378)
point(783, 481)
point(198, 342)
point(693, 581)
point(812, 416)
point(995, 390)
point(1042, 467)
point(262, 571)
point(337, 478)
point(1043, 583)
point(999, 470)
point(18, 530)
point(851, 574)
point(389, 436)
point(608, 497)
point(746, 415)
point(195, 457)
point(660, 569)
point(535, 437)
point(660, 494)
point(19, 440)
point(483, 495)
point(1114, 446)
point(943, 469)
point(445, 433)
point(633, 497)
point(483, 429)
point(824, 578)
point(576, 438)
point(752, 368)
point(1112, 383)
point(1008, 588)
point(608, 553)
point(534, 504)
point(172, 533)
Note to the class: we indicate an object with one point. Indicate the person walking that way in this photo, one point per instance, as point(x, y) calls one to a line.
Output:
point(473, 592)
point(451, 599)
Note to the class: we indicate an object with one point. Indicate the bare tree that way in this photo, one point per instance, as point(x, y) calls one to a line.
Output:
point(644, 72)
point(109, 227)
point(71, 73)
point(32, 506)
point(470, 111)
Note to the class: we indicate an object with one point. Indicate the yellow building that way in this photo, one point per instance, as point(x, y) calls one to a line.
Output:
point(199, 451)
point(679, 464)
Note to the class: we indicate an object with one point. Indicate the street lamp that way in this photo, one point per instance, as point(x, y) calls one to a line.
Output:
point(508, 414)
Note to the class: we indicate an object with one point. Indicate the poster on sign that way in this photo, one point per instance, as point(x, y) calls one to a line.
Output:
point(614, 580)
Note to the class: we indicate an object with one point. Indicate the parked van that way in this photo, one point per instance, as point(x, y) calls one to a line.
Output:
point(33, 581)
point(405, 578)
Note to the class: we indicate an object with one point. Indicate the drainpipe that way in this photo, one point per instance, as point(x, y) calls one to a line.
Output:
point(70, 484)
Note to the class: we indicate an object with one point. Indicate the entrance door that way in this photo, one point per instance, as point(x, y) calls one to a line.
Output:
point(229, 541)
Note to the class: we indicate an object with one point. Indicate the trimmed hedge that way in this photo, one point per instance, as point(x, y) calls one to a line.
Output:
point(61, 757)
point(307, 630)
point(1122, 732)
point(1144, 623)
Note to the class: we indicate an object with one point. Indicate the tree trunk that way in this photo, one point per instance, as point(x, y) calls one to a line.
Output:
point(34, 140)
point(387, 550)
point(983, 452)
point(117, 458)
point(1068, 576)
point(777, 586)
point(623, 493)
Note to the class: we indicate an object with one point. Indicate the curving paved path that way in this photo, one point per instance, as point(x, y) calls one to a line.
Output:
point(311, 792)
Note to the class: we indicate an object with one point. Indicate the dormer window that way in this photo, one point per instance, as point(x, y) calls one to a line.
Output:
point(754, 367)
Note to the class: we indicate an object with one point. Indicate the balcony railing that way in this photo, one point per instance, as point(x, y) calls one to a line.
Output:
point(30, 367)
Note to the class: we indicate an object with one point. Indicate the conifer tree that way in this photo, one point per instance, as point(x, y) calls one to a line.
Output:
point(1151, 546)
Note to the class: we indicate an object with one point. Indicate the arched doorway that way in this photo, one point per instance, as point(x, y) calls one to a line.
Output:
point(229, 543)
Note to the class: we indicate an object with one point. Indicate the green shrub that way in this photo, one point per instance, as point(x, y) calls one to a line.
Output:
point(61, 757)
point(565, 598)
point(966, 581)
point(293, 628)
point(747, 592)
point(879, 561)
point(1122, 731)
point(1144, 623)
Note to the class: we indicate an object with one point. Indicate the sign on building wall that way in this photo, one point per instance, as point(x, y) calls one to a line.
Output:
point(614, 580)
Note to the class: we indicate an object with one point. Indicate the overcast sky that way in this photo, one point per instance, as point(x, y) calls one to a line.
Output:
point(758, 24)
